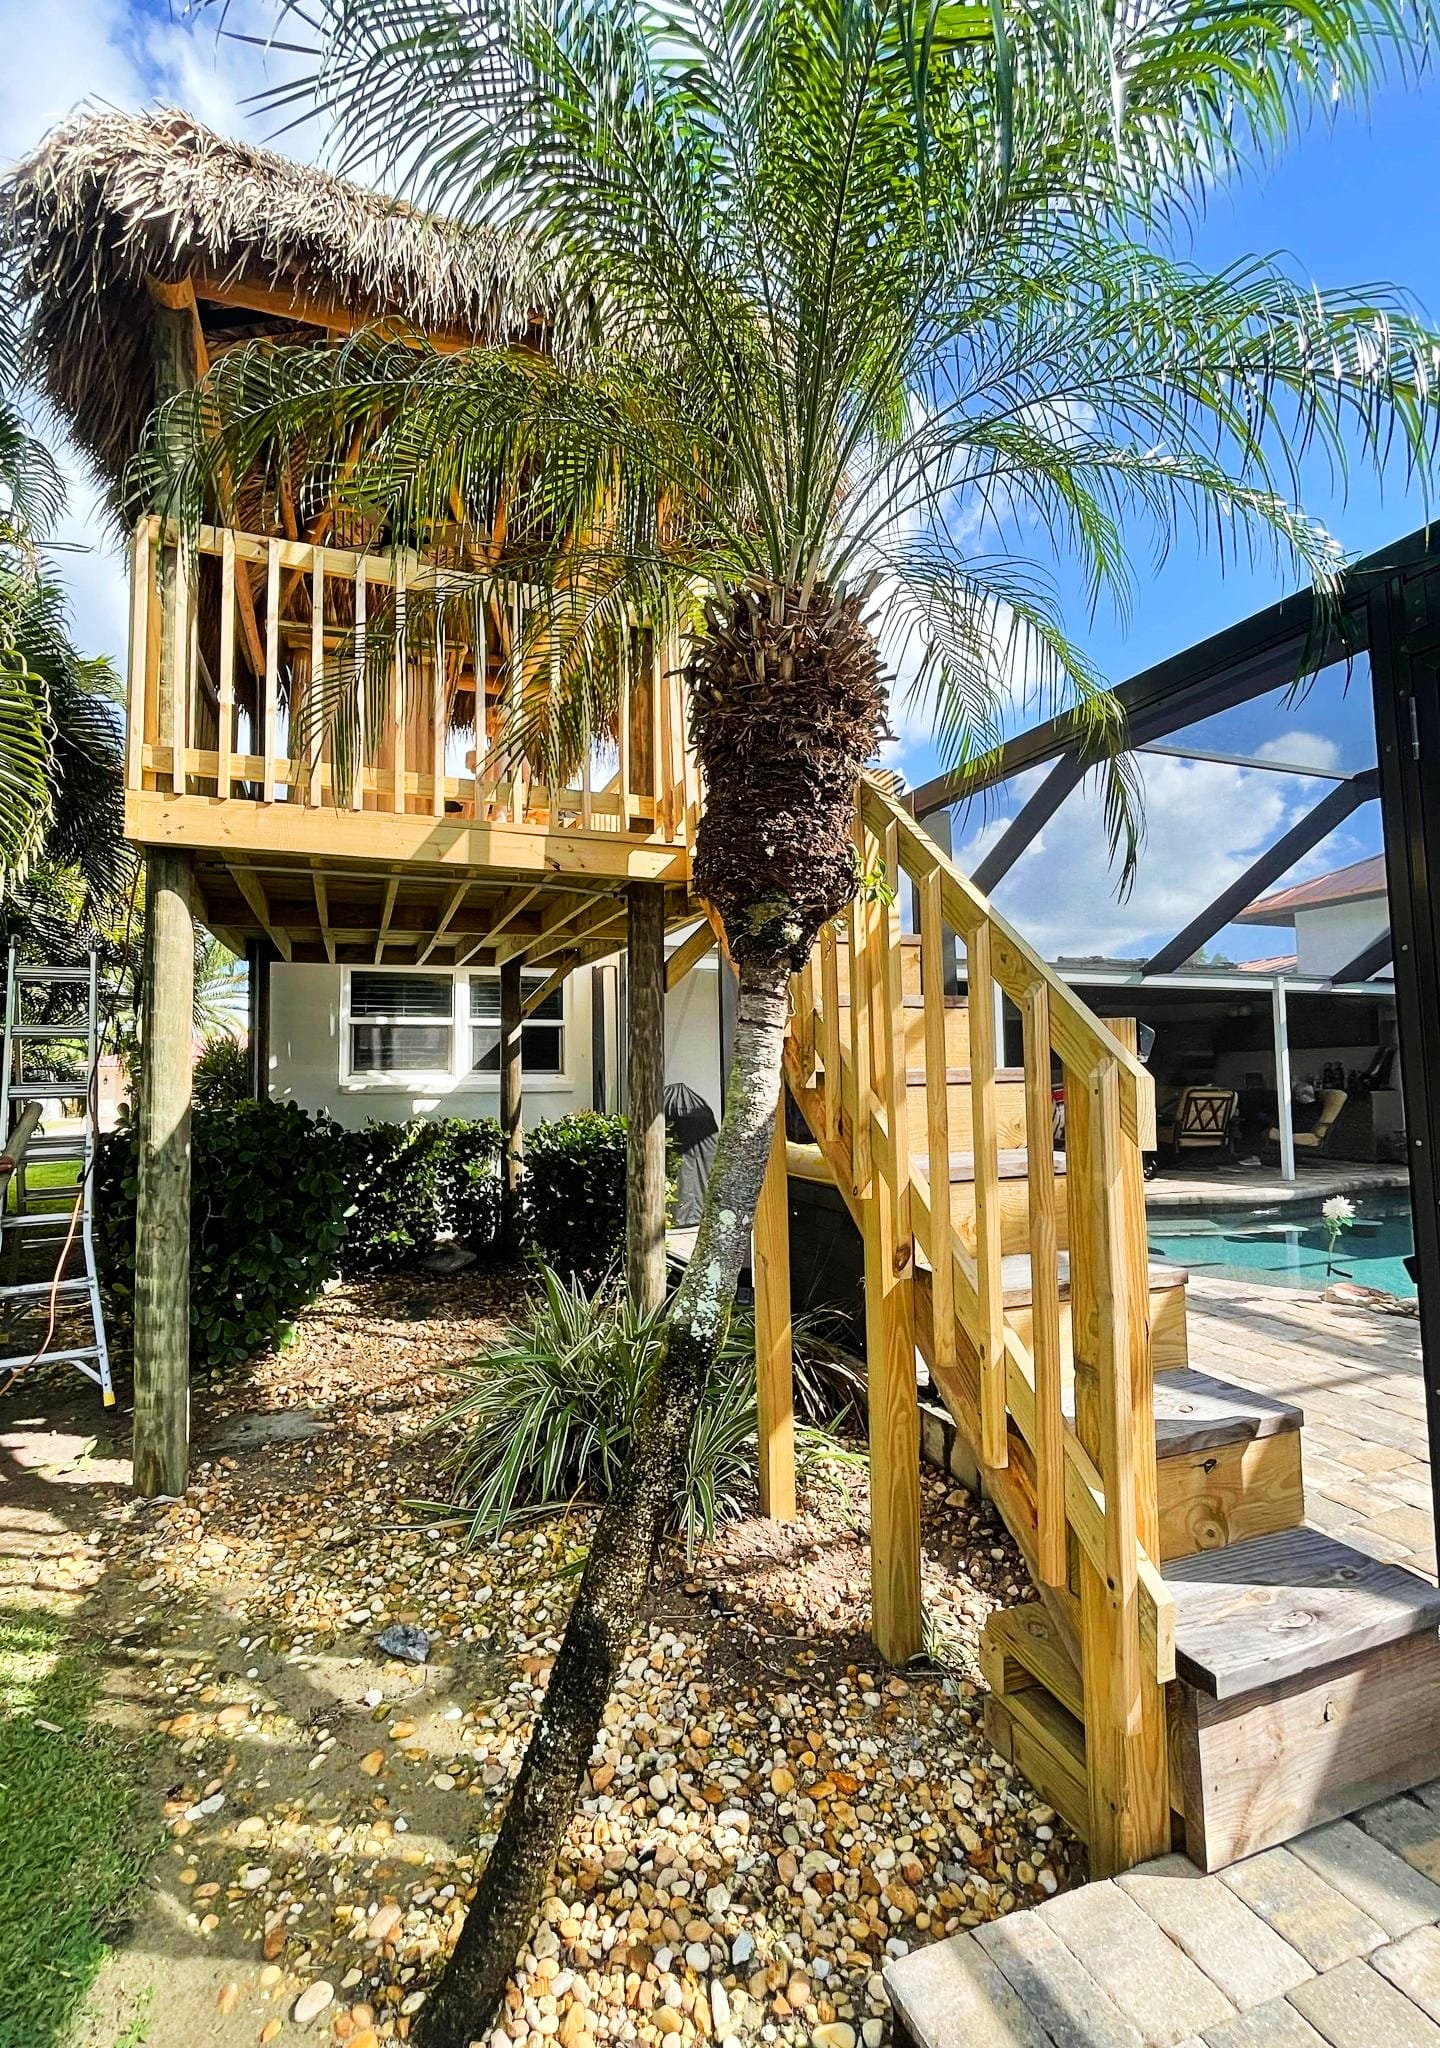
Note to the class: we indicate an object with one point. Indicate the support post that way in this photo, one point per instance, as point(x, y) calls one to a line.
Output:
point(1284, 1107)
point(257, 957)
point(645, 1151)
point(1126, 1762)
point(774, 1362)
point(511, 1130)
point(162, 1210)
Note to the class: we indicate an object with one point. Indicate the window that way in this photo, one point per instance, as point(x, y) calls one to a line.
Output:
point(542, 1035)
point(409, 1025)
point(401, 1023)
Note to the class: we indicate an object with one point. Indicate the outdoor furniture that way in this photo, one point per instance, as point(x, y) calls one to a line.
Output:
point(1332, 1101)
point(1200, 1122)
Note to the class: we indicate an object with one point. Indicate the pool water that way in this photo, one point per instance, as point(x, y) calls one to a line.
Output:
point(1290, 1248)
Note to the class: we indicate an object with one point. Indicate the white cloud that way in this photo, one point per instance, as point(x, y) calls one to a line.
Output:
point(1205, 823)
point(1301, 749)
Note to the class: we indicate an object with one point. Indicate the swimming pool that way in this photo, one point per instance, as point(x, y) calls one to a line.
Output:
point(1287, 1247)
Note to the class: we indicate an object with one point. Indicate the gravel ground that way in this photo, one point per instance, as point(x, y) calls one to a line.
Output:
point(769, 1812)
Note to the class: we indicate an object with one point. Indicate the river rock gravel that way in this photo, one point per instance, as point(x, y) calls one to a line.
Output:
point(770, 1813)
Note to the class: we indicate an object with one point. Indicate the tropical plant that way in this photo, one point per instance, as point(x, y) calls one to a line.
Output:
point(575, 1194)
point(550, 1413)
point(61, 807)
point(867, 301)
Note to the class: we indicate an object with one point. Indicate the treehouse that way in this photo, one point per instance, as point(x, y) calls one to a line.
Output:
point(1191, 1643)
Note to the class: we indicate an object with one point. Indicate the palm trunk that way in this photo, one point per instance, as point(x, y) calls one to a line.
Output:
point(607, 1608)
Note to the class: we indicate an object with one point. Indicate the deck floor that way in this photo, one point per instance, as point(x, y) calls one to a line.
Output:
point(1333, 1940)
point(1357, 1376)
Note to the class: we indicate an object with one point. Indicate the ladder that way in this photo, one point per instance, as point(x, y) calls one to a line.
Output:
point(50, 1224)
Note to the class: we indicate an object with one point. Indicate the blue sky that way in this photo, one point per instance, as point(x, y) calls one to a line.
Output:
point(1351, 205)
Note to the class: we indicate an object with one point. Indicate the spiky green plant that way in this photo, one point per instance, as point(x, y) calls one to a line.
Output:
point(862, 308)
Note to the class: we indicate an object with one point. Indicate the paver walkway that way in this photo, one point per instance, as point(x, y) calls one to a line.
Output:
point(1357, 1377)
point(1334, 1939)
point(1245, 1187)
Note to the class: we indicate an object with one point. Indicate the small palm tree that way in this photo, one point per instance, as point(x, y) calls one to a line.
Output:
point(867, 304)
point(61, 798)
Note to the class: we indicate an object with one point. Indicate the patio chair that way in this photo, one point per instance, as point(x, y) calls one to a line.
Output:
point(1200, 1121)
point(1332, 1101)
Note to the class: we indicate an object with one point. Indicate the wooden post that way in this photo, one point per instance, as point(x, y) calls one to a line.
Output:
point(774, 1376)
point(645, 1154)
point(162, 1218)
point(1125, 1739)
point(876, 999)
point(512, 1132)
point(257, 957)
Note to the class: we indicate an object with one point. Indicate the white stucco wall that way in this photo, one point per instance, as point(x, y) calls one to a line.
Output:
point(1330, 936)
point(306, 1064)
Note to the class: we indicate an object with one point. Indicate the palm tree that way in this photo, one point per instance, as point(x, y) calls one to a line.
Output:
point(61, 798)
point(872, 303)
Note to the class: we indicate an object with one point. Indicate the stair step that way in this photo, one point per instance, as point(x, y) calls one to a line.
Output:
point(1021, 1647)
point(959, 1077)
point(1013, 1164)
point(1046, 1744)
point(1277, 1607)
point(1194, 1412)
point(1017, 1282)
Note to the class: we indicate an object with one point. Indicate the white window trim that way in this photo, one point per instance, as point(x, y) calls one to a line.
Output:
point(457, 1078)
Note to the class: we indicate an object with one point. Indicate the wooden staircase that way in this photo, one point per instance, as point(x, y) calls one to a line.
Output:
point(1196, 1661)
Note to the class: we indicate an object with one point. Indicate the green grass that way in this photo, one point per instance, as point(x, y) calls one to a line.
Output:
point(73, 1844)
point(45, 1174)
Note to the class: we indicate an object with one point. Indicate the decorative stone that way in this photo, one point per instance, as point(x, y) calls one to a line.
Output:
point(312, 2002)
point(404, 1641)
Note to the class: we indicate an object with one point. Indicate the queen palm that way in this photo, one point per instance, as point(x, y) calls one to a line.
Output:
point(869, 306)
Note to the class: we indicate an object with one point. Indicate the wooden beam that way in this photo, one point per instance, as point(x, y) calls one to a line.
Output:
point(387, 912)
point(456, 899)
point(510, 909)
point(774, 1359)
point(688, 954)
point(512, 1129)
point(645, 1143)
point(162, 1213)
point(322, 911)
point(308, 311)
point(555, 979)
point(253, 891)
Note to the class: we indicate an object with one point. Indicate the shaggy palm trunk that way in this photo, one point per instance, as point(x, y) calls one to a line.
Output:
point(788, 705)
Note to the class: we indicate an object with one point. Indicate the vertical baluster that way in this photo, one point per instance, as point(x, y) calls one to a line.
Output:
point(357, 780)
point(1044, 1290)
point(623, 732)
point(482, 696)
point(180, 664)
point(272, 666)
point(1124, 1704)
point(994, 1448)
point(316, 719)
point(225, 737)
point(142, 576)
point(439, 717)
point(830, 1030)
point(664, 756)
point(399, 708)
point(861, 1158)
point(937, 1121)
point(889, 1013)
point(774, 1378)
point(804, 1026)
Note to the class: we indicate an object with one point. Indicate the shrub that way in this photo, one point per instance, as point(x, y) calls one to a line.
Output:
point(266, 1218)
point(550, 1412)
point(575, 1193)
point(222, 1074)
point(406, 1183)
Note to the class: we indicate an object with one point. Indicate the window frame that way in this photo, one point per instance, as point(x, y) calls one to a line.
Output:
point(460, 1076)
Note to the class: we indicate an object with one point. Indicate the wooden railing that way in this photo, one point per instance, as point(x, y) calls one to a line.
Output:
point(272, 671)
point(1060, 1417)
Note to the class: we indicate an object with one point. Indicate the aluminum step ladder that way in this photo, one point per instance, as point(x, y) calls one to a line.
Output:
point(35, 1228)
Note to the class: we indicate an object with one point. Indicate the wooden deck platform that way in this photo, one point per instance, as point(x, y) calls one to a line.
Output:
point(1333, 1940)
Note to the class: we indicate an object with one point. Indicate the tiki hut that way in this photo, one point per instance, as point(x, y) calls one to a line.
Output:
point(119, 220)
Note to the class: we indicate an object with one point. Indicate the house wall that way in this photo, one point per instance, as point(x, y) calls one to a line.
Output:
point(307, 1064)
point(1329, 937)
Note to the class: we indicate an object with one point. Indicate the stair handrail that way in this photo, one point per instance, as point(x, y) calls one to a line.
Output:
point(1087, 1482)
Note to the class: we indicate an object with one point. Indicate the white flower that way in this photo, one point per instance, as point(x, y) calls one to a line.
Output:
point(1339, 1209)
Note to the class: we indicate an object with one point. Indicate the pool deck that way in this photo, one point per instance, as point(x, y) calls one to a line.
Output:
point(1357, 1376)
point(1247, 1187)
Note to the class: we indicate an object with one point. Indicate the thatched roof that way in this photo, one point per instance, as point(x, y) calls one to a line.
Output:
point(112, 202)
